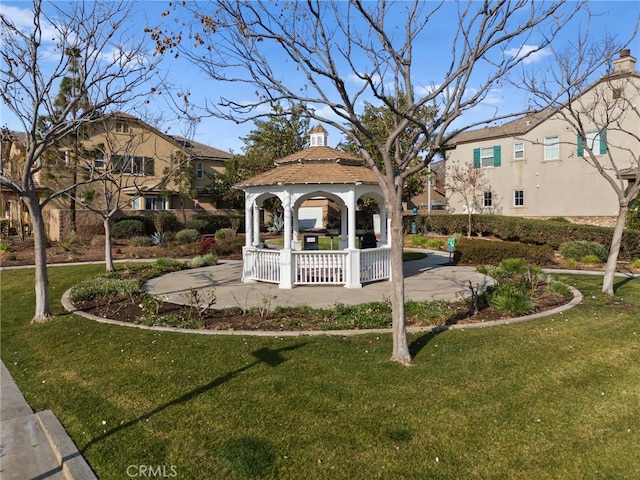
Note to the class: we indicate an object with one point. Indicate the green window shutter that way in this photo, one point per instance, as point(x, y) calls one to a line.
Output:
point(476, 158)
point(148, 166)
point(603, 141)
point(497, 158)
point(580, 147)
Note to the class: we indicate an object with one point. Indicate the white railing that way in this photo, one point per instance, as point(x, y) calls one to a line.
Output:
point(375, 264)
point(266, 266)
point(320, 267)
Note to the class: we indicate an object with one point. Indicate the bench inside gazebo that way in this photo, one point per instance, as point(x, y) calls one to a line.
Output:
point(317, 171)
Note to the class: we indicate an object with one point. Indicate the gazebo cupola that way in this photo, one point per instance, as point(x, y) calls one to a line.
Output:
point(316, 171)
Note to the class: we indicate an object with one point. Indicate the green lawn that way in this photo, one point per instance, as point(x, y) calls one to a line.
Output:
point(553, 398)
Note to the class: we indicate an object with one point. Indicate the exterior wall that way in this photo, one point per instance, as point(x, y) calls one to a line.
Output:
point(565, 187)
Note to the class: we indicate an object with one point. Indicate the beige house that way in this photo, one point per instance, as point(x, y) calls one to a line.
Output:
point(134, 166)
point(536, 166)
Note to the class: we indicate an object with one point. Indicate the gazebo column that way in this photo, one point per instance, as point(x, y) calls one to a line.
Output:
point(343, 243)
point(353, 258)
point(384, 228)
point(248, 251)
point(287, 274)
point(248, 210)
point(256, 224)
point(296, 229)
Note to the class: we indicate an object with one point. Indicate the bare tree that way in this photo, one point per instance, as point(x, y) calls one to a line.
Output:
point(469, 182)
point(342, 54)
point(112, 67)
point(603, 116)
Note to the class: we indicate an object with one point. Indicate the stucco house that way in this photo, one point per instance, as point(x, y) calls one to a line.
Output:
point(150, 170)
point(536, 165)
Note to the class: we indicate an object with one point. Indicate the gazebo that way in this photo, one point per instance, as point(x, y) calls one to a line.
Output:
point(317, 171)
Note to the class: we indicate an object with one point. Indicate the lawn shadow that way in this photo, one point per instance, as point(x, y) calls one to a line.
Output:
point(419, 343)
point(273, 358)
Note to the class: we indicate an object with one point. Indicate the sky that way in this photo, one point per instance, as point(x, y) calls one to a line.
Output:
point(610, 17)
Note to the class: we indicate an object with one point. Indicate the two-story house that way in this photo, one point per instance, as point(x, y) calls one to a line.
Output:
point(536, 165)
point(132, 165)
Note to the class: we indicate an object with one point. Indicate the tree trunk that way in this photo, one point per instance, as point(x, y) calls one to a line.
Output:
point(614, 251)
point(43, 304)
point(401, 352)
point(469, 226)
point(108, 257)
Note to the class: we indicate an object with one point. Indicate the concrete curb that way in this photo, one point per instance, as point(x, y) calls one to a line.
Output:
point(74, 466)
point(577, 299)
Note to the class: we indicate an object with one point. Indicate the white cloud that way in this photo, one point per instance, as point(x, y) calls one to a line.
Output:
point(22, 18)
point(530, 50)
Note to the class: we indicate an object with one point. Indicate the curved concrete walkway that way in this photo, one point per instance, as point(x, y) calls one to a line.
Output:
point(430, 278)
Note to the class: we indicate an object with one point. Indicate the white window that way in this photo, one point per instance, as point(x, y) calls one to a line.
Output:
point(155, 203)
point(199, 170)
point(518, 151)
point(486, 157)
point(595, 142)
point(122, 127)
point(518, 198)
point(98, 161)
point(552, 148)
point(487, 199)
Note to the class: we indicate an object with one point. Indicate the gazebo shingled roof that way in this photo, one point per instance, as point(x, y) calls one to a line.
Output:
point(315, 165)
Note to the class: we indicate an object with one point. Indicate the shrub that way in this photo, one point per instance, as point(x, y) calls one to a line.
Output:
point(559, 288)
point(229, 246)
point(188, 235)
point(580, 249)
point(158, 238)
point(103, 286)
point(636, 263)
point(168, 263)
point(98, 240)
point(141, 241)
point(165, 222)
point(224, 233)
point(416, 240)
point(200, 225)
point(513, 303)
point(207, 244)
point(128, 228)
point(434, 243)
point(203, 260)
point(478, 251)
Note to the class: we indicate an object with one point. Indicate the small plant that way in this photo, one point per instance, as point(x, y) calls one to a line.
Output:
point(203, 260)
point(277, 224)
point(188, 235)
point(166, 263)
point(559, 288)
point(141, 241)
point(590, 259)
point(636, 263)
point(572, 263)
point(158, 238)
point(199, 301)
point(225, 233)
point(151, 304)
point(104, 286)
point(434, 243)
point(513, 303)
point(64, 246)
point(6, 247)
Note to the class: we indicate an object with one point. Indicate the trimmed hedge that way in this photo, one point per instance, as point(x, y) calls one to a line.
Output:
point(486, 252)
point(535, 232)
point(210, 224)
point(128, 228)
